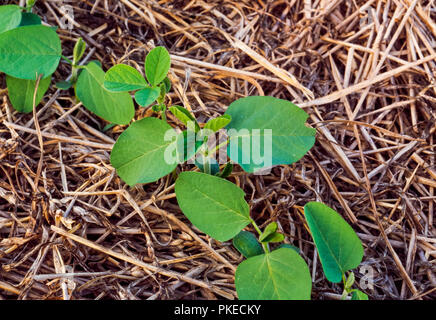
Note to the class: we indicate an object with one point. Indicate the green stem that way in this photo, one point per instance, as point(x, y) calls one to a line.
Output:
point(264, 245)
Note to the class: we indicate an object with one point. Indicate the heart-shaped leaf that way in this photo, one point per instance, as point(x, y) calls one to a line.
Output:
point(26, 52)
point(279, 275)
point(246, 243)
point(115, 107)
point(139, 155)
point(10, 17)
point(266, 131)
point(157, 64)
point(147, 96)
point(121, 78)
point(21, 92)
point(214, 205)
point(338, 246)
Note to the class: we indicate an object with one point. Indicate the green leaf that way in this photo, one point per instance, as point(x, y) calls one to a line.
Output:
point(266, 131)
point(218, 123)
point(63, 85)
point(338, 246)
point(147, 96)
point(359, 295)
point(122, 77)
point(29, 19)
point(279, 275)
point(139, 153)
point(274, 237)
point(21, 92)
point(10, 17)
point(350, 281)
point(28, 51)
point(112, 106)
point(246, 243)
point(167, 84)
point(79, 50)
point(214, 205)
point(184, 116)
point(289, 246)
point(269, 230)
point(157, 64)
point(226, 171)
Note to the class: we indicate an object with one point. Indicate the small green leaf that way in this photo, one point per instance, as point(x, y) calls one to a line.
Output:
point(226, 171)
point(279, 275)
point(359, 295)
point(289, 246)
point(157, 64)
point(139, 155)
point(338, 246)
point(26, 52)
point(121, 78)
point(115, 107)
point(350, 281)
point(29, 19)
point(214, 205)
point(21, 92)
point(273, 237)
point(269, 230)
point(146, 96)
point(246, 243)
point(63, 85)
point(167, 84)
point(184, 116)
point(79, 50)
point(266, 131)
point(218, 123)
point(10, 17)
point(108, 126)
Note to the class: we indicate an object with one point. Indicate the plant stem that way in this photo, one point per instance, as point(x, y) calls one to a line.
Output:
point(264, 245)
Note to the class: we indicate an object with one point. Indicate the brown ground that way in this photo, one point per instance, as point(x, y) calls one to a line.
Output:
point(365, 76)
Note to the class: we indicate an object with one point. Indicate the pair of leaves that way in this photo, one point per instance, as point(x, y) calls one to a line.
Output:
point(123, 78)
point(115, 107)
point(23, 64)
point(270, 234)
point(218, 208)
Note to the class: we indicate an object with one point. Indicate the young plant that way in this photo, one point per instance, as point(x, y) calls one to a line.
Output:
point(28, 50)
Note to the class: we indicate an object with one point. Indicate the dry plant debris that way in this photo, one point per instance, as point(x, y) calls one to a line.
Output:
point(363, 70)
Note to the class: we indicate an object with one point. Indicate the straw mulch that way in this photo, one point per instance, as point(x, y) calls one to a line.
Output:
point(363, 70)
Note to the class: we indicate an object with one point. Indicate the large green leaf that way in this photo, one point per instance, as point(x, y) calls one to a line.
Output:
point(139, 153)
point(122, 77)
point(266, 131)
point(10, 17)
point(28, 51)
point(246, 243)
point(214, 205)
point(157, 64)
point(278, 275)
point(21, 92)
point(338, 246)
point(115, 107)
